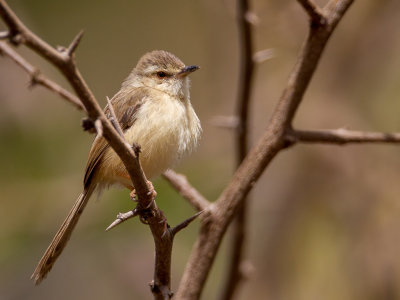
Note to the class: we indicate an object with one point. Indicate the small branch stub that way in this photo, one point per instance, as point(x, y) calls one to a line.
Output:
point(122, 217)
point(185, 223)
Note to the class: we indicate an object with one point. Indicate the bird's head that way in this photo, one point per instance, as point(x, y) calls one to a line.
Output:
point(163, 71)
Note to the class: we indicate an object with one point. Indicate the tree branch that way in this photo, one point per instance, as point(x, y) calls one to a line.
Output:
point(341, 136)
point(147, 208)
point(315, 14)
point(187, 191)
point(238, 242)
point(38, 78)
point(272, 141)
point(66, 65)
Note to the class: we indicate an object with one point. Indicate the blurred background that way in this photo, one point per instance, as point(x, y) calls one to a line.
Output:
point(325, 220)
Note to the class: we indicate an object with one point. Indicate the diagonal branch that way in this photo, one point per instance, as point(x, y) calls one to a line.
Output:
point(64, 61)
point(259, 157)
point(187, 191)
point(66, 65)
point(341, 136)
point(38, 78)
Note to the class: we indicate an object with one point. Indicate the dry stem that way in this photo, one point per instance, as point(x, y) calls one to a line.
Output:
point(38, 78)
point(341, 136)
point(64, 60)
point(238, 242)
point(187, 191)
point(261, 154)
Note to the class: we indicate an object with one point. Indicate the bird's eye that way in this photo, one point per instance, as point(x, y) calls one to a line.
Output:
point(161, 74)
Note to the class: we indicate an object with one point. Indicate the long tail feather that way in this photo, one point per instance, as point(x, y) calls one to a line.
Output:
point(62, 236)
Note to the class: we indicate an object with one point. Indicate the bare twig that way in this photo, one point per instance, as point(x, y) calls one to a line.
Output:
point(38, 78)
point(65, 62)
point(341, 136)
point(185, 223)
point(242, 134)
point(182, 185)
point(67, 67)
point(272, 141)
point(122, 217)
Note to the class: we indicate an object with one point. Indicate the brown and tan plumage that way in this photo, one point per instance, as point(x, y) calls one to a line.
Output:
point(154, 110)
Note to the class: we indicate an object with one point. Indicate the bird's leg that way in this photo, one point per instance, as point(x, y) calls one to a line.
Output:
point(133, 195)
point(152, 192)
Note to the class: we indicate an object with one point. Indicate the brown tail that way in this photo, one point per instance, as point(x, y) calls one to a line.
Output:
point(62, 236)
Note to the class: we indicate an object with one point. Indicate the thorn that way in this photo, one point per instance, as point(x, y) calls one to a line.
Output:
point(74, 44)
point(185, 223)
point(113, 224)
point(122, 217)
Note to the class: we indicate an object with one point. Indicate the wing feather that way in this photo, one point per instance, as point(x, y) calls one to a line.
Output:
point(126, 104)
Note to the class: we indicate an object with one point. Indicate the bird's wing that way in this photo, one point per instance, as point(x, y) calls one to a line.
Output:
point(126, 104)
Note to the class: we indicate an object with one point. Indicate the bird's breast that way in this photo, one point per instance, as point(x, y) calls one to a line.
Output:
point(166, 129)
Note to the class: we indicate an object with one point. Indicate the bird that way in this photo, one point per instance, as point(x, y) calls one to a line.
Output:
point(154, 111)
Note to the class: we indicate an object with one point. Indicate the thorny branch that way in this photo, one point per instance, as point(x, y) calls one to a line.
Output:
point(278, 135)
point(37, 77)
point(260, 155)
point(63, 59)
point(182, 185)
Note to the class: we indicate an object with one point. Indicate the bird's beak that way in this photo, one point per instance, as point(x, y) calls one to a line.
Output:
point(187, 70)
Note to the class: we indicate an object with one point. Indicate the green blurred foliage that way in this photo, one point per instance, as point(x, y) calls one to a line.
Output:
point(324, 219)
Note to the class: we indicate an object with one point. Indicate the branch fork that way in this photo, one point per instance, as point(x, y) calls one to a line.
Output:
point(63, 59)
point(218, 215)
